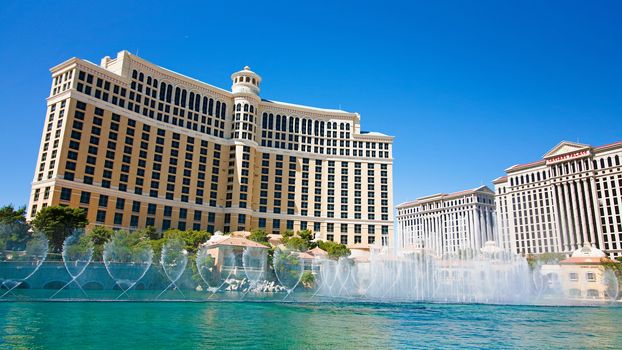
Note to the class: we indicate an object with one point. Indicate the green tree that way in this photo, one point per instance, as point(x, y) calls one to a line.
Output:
point(99, 235)
point(191, 238)
point(296, 243)
point(151, 233)
point(13, 228)
point(9, 215)
point(59, 222)
point(307, 235)
point(259, 236)
point(334, 250)
point(307, 280)
point(128, 247)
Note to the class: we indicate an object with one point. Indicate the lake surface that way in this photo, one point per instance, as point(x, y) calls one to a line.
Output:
point(263, 325)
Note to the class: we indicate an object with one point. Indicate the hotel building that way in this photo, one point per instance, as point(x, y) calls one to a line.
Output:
point(448, 223)
point(571, 197)
point(138, 145)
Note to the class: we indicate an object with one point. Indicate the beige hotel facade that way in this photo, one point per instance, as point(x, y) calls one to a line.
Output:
point(571, 197)
point(138, 145)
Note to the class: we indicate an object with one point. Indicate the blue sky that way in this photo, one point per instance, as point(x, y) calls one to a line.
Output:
point(467, 88)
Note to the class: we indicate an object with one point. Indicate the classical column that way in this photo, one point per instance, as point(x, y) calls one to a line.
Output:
point(553, 219)
point(582, 211)
point(616, 218)
point(576, 215)
point(590, 218)
point(596, 204)
point(478, 228)
point(569, 218)
point(562, 215)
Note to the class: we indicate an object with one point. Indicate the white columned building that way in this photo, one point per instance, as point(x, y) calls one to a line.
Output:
point(571, 197)
point(448, 223)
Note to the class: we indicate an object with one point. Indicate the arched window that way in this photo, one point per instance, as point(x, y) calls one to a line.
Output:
point(283, 123)
point(141, 77)
point(573, 167)
point(252, 109)
point(617, 158)
point(223, 110)
point(169, 93)
point(322, 129)
point(197, 103)
point(264, 121)
point(602, 163)
point(341, 126)
point(191, 100)
point(291, 124)
point(304, 126)
point(238, 107)
point(245, 108)
point(210, 110)
point(155, 83)
point(297, 127)
point(183, 98)
point(205, 103)
point(538, 177)
point(148, 80)
point(544, 175)
point(162, 91)
point(609, 163)
point(217, 109)
point(348, 126)
point(511, 181)
point(177, 95)
point(135, 74)
point(270, 121)
point(580, 165)
point(278, 122)
point(334, 125)
point(595, 164)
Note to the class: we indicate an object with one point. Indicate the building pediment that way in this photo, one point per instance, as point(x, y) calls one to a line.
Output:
point(484, 189)
point(567, 148)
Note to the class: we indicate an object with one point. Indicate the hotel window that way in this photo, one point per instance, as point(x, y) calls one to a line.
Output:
point(85, 197)
point(65, 194)
point(101, 216)
point(574, 276)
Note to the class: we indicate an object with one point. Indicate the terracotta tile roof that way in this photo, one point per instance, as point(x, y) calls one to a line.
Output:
point(235, 242)
point(619, 143)
point(583, 260)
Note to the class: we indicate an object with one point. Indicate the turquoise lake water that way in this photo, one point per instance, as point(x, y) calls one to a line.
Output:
point(261, 325)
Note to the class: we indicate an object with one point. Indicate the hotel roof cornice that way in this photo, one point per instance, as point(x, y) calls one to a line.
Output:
point(109, 65)
point(446, 196)
point(560, 152)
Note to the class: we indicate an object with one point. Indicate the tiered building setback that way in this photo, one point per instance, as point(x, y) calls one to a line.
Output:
point(571, 197)
point(138, 145)
point(448, 223)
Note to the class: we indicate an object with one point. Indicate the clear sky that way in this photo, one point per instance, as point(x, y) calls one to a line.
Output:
point(468, 88)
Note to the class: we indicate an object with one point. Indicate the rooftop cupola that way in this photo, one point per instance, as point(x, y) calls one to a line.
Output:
point(245, 81)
